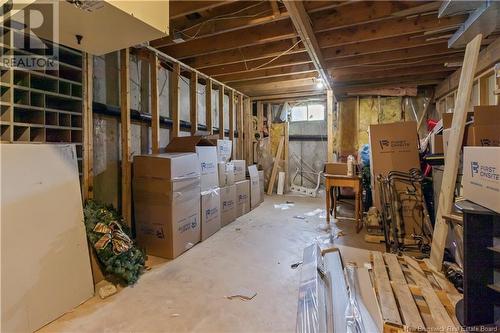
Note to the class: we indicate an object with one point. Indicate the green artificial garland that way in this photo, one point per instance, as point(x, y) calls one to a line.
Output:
point(112, 242)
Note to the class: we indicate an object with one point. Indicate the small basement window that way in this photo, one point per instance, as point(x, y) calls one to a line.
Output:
point(308, 112)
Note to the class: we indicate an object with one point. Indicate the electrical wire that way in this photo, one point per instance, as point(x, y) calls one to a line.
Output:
point(278, 56)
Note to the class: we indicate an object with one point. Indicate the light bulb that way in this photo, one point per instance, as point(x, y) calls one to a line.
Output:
point(319, 85)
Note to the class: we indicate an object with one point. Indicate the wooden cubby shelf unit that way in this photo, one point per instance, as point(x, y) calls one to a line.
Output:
point(41, 105)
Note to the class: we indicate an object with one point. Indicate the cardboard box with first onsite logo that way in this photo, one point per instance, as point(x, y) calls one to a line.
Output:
point(210, 212)
point(242, 197)
point(224, 150)
point(228, 204)
point(166, 190)
point(254, 186)
point(239, 170)
point(481, 179)
point(226, 174)
point(206, 151)
point(394, 147)
point(485, 131)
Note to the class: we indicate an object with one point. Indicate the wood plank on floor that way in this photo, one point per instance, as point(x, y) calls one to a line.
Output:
point(387, 302)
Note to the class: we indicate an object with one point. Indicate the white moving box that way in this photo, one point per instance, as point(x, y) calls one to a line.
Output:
point(210, 212)
point(239, 170)
point(228, 204)
point(45, 258)
point(167, 203)
point(242, 197)
point(226, 174)
point(206, 151)
point(224, 150)
point(481, 178)
point(254, 186)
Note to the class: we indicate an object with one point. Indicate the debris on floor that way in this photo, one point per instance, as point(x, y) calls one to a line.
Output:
point(297, 264)
point(300, 217)
point(243, 294)
point(284, 206)
point(107, 290)
point(321, 213)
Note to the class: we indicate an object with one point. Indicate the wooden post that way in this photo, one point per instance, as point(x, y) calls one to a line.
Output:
point(125, 135)
point(174, 100)
point(208, 106)
point(240, 127)
point(446, 194)
point(276, 164)
point(193, 112)
point(329, 119)
point(155, 105)
point(260, 119)
point(249, 136)
point(88, 129)
point(221, 112)
point(286, 156)
point(231, 123)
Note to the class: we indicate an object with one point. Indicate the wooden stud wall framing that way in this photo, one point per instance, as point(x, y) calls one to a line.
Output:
point(125, 136)
point(193, 112)
point(240, 127)
point(174, 100)
point(88, 129)
point(260, 118)
point(249, 132)
point(329, 119)
point(221, 112)
point(208, 106)
point(155, 105)
point(231, 122)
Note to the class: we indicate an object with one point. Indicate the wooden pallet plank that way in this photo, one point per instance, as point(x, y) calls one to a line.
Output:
point(409, 310)
point(438, 311)
point(446, 194)
point(277, 160)
point(387, 301)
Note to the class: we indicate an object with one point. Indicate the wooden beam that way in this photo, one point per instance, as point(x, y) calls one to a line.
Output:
point(240, 127)
point(155, 105)
point(452, 161)
point(278, 82)
point(385, 29)
point(286, 156)
point(174, 100)
point(274, 97)
point(88, 128)
point(208, 106)
point(221, 112)
point(183, 8)
point(268, 73)
point(231, 123)
point(329, 119)
point(302, 24)
point(245, 54)
point(126, 201)
point(414, 53)
point(193, 97)
point(260, 119)
point(355, 13)
point(276, 164)
point(258, 65)
point(264, 33)
point(275, 8)
point(215, 21)
point(248, 131)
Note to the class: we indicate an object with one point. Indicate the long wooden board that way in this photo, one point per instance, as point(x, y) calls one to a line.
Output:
point(446, 194)
point(277, 160)
point(126, 141)
point(388, 305)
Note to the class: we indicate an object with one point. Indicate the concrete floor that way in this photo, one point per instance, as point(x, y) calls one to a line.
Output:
point(188, 294)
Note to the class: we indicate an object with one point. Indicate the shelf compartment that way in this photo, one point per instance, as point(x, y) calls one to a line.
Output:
point(76, 121)
point(28, 116)
point(37, 99)
point(21, 133)
point(76, 136)
point(5, 76)
point(37, 134)
point(64, 88)
point(5, 133)
point(5, 114)
point(64, 120)
point(57, 135)
point(69, 73)
point(51, 118)
point(21, 97)
point(5, 94)
point(64, 104)
point(21, 78)
point(76, 90)
point(73, 58)
point(44, 83)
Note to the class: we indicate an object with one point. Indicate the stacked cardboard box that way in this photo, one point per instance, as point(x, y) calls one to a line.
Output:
point(242, 197)
point(167, 202)
point(255, 198)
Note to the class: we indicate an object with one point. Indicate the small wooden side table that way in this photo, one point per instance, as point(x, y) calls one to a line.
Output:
point(344, 181)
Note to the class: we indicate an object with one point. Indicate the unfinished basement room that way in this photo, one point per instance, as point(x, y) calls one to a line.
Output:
point(249, 166)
